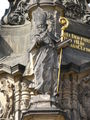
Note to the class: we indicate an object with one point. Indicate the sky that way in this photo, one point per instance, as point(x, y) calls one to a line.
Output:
point(3, 5)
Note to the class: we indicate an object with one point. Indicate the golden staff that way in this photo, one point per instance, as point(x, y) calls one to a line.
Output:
point(65, 23)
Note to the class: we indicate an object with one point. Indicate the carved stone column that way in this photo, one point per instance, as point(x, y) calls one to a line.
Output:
point(66, 94)
point(69, 96)
point(25, 95)
point(74, 96)
point(17, 94)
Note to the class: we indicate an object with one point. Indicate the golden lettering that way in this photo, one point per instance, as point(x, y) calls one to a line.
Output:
point(78, 42)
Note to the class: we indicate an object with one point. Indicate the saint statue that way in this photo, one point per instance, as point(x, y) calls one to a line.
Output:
point(44, 65)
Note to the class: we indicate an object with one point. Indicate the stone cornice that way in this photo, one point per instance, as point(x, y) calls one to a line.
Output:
point(17, 69)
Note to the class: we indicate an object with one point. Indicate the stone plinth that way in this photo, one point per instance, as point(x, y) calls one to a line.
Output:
point(44, 117)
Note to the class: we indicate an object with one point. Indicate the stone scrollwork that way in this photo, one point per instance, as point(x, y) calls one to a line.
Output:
point(6, 97)
point(74, 9)
point(17, 12)
point(78, 10)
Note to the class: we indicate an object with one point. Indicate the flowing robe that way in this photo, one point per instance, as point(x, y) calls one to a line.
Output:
point(44, 63)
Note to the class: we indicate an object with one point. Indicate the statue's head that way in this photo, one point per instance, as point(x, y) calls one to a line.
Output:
point(39, 17)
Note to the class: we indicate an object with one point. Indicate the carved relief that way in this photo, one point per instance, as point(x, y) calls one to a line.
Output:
point(6, 98)
point(77, 9)
point(74, 10)
point(17, 13)
point(43, 52)
point(84, 98)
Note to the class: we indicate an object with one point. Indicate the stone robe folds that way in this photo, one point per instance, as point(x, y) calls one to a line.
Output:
point(43, 64)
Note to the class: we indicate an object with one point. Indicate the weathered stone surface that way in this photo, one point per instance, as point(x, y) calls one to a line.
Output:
point(29, 61)
point(15, 42)
point(6, 97)
point(78, 10)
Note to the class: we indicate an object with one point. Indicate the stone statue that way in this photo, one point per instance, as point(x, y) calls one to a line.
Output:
point(44, 55)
